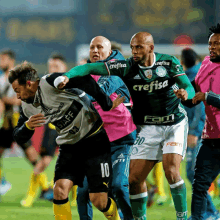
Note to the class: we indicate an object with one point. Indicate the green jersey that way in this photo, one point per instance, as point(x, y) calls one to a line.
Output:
point(151, 88)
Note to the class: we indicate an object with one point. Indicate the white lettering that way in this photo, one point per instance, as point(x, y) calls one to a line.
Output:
point(181, 214)
point(160, 85)
point(117, 65)
point(154, 85)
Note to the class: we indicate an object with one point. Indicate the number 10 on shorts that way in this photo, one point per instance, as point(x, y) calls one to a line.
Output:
point(105, 170)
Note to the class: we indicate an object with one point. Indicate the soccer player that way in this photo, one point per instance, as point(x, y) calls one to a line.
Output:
point(10, 105)
point(152, 79)
point(208, 159)
point(56, 63)
point(120, 129)
point(83, 141)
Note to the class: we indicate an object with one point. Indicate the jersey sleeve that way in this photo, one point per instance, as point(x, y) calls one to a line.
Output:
point(176, 68)
point(119, 68)
point(184, 83)
point(88, 85)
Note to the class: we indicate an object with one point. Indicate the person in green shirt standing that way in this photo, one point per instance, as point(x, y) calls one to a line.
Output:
point(157, 84)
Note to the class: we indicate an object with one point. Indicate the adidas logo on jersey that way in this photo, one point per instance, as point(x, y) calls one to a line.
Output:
point(121, 156)
point(154, 85)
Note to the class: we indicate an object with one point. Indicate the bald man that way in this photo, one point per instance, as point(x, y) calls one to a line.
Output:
point(157, 84)
point(120, 129)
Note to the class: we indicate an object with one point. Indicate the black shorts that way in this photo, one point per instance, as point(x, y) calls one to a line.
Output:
point(6, 136)
point(90, 157)
point(49, 144)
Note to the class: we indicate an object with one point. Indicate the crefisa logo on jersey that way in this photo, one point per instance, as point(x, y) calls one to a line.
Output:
point(148, 73)
point(117, 65)
point(161, 71)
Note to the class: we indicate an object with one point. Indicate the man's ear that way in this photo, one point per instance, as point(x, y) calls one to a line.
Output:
point(28, 83)
point(151, 48)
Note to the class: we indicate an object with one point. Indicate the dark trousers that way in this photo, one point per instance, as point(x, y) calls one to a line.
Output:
point(206, 170)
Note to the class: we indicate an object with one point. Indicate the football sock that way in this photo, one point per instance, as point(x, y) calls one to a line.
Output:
point(178, 191)
point(73, 195)
point(62, 210)
point(43, 181)
point(111, 211)
point(159, 178)
point(139, 205)
point(32, 191)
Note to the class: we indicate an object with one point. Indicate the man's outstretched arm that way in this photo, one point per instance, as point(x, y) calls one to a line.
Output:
point(88, 85)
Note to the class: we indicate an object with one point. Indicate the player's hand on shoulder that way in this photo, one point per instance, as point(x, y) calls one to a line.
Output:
point(37, 120)
point(118, 101)
point(61, 81)
point(181, 94)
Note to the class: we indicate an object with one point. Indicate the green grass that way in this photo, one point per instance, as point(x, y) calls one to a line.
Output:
point(18, 171)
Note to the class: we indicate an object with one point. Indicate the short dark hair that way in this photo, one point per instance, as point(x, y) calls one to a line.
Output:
point(57, 56)
point(189, 57)
point(8, 52)
point(116, 46)
point(23, 73)
point(214, 30)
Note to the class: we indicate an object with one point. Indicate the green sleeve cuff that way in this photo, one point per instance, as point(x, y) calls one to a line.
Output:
point(86, 69)
point(184, 83)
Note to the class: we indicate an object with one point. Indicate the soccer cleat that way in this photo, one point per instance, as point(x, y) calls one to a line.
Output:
point(209, 216)
point(32, 191)
point(161, 200)
point(151, 193)
point(27, 202)
point(5, 186)
point(48, 195)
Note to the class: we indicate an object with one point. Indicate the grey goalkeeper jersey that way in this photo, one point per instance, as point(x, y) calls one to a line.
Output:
point(70, 110)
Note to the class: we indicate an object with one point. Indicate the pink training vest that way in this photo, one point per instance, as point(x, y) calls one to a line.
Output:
point(117, 122)
point(208, 79)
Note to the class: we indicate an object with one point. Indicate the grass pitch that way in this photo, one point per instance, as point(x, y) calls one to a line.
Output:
point(18, 171)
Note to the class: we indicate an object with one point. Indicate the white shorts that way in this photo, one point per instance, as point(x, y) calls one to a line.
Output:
point(155, 140)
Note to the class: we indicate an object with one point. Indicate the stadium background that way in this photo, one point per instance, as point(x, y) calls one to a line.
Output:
point(36, 28)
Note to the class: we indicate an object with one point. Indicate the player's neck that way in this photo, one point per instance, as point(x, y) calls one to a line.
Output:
point(150, 61)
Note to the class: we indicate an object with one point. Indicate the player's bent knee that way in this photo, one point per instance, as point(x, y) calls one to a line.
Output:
point(172, 174)
point(61, 190)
